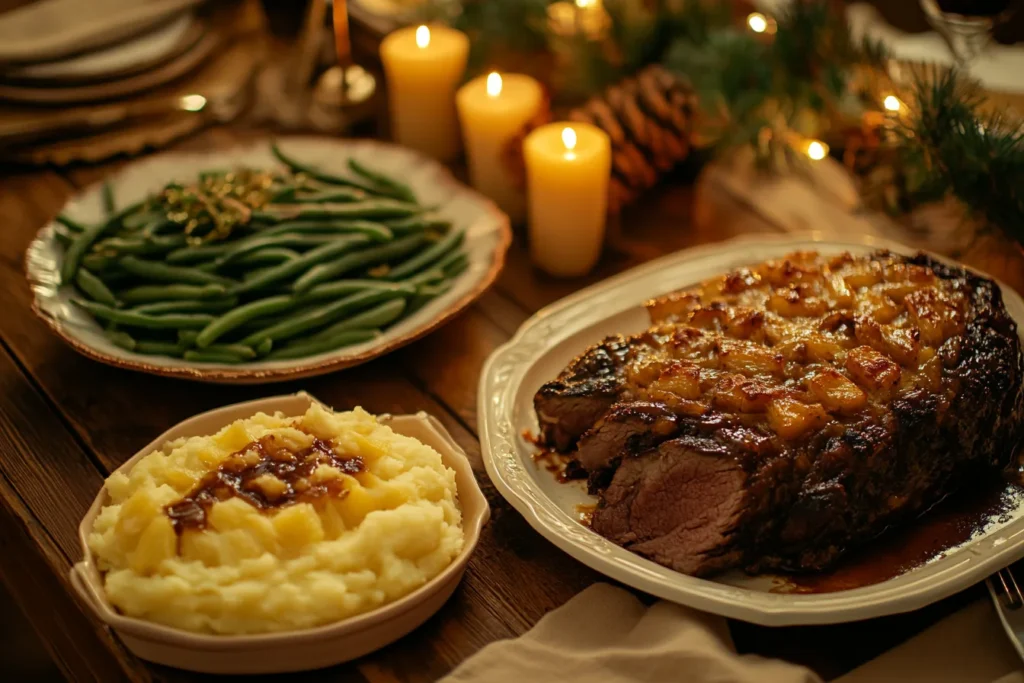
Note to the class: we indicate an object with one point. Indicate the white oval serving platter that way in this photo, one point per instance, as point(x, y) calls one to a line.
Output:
point(546, 343)
point(488, 236)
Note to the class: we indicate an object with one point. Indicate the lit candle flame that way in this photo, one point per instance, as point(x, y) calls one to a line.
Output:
point(892, 103)
point(422, 36)
point(494, 84)
point(817, 150)
point(569, 140)
point(757, 22)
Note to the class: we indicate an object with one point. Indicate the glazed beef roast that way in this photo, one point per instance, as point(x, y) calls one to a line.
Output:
point(779, 415)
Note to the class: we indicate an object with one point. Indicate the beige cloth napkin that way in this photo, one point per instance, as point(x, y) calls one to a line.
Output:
point(606, 635)
point(51, 29)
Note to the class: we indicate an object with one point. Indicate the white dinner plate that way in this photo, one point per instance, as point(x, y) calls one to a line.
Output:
point(546, 343)
point(487, 239)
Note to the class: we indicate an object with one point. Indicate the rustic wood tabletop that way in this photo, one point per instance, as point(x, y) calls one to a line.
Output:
point(66, 422)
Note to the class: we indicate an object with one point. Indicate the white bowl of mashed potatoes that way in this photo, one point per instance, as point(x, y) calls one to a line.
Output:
point(278, 535)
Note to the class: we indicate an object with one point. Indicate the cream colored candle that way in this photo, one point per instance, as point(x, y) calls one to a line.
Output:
point(423, 66)
point(493, 109)
point(567, 171)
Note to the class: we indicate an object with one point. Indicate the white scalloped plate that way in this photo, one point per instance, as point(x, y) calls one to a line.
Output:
point(546, 343)
point(488, 236)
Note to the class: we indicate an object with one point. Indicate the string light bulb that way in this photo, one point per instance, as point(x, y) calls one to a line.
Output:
point(817, 150)
point(756, 21)
point(892, 103)
point(192, 102)
point(422, 37)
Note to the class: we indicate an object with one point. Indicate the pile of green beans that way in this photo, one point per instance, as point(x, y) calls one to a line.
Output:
point(330, 260)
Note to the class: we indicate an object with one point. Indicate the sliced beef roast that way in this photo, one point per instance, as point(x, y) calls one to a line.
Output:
point(777, 416)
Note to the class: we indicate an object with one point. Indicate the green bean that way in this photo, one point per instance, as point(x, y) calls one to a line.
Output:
point(430, 276)
point(322, 176)
point(375, 231)
point(117, 246)
point(457, 266)
point(318, 317)
point(188, 306)
point(269, 306)
point(63, 235)
point(204, 356)
point(366, 257)
point(156, 322)
point(370, 208)
point(162, 272)
point(195, 254)
point(267, 256)
point(264, 347)
point(98, 262)
point(187, 338)
point(239, 316)
point(115, 279)
point(150, 293)
point(109, 206)
point(426, 294)
point(119, 338)
point(423, 259)
point(240, 350)
point(376, 317)
point(400, 189)
point(153, 227)
point(295, 266)
point(158, 348)
point(452, 256)
point(337, 194)
point(311, 348)
point(76, 251)
point(415, 223)
point(283, 194)
point(140, 219)
point(70, 223)
point(259, 242)
point(94, 288)
point(332, 290)
point(258, 273)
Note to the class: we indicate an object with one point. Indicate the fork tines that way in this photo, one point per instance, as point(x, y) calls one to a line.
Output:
point(1009, 590)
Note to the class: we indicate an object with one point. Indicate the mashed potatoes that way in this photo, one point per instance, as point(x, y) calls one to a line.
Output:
point(278, 523)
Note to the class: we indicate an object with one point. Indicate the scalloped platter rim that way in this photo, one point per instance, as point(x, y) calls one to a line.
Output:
point(488, 236)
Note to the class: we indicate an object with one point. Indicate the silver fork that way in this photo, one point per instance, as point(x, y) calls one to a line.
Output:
point(1007, 590)
point(1009, 601)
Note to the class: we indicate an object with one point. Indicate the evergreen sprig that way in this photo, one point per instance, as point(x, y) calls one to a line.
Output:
point(755, 89)
point(947, 146)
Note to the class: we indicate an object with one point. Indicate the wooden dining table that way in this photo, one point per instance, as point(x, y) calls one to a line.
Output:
point(66, 422)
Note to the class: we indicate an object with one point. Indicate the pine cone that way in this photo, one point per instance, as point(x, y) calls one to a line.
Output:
point(649, 120)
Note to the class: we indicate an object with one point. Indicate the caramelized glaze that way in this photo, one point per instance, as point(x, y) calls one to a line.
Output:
point(801, 342)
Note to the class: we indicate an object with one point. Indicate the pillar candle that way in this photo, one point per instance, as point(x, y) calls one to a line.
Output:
point(423, 66)
point(493, 109)
point(567, 171)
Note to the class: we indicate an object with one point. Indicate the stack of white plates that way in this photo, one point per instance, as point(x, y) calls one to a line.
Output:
point(58, 52)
